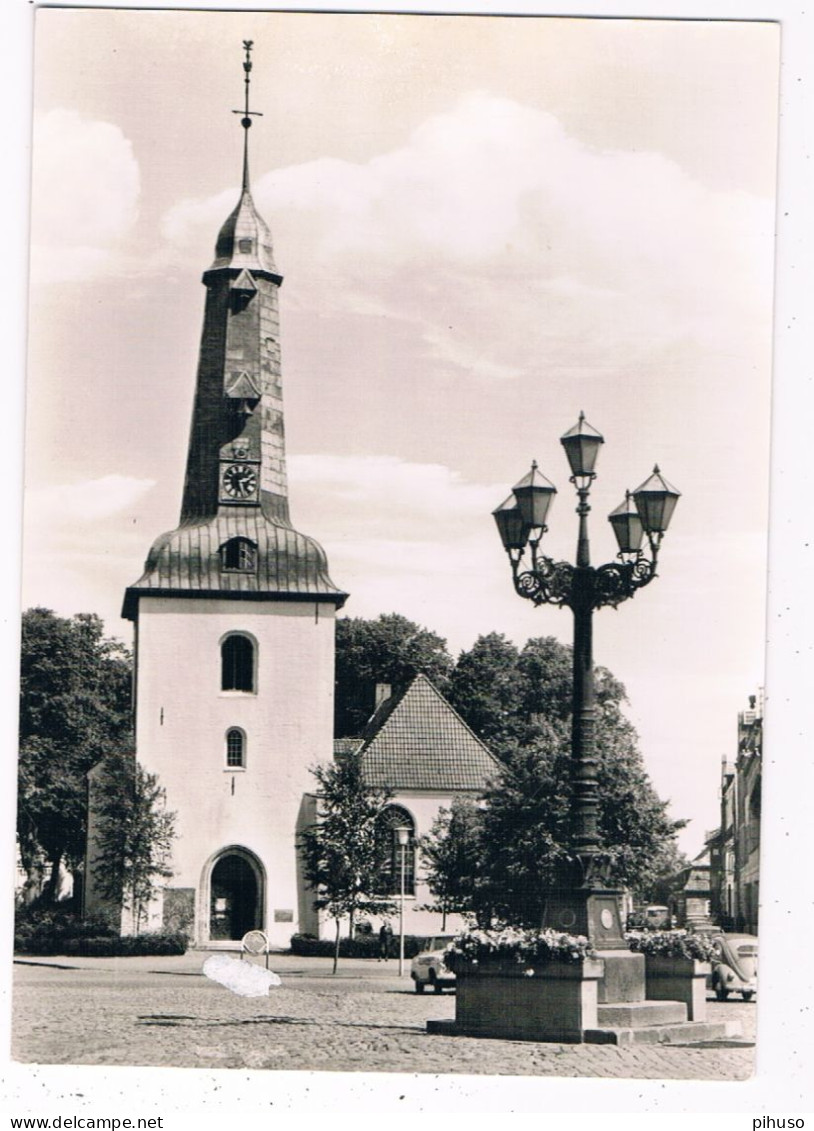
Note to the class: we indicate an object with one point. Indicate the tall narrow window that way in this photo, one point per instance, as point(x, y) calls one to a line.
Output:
point(237, 664)
point(390, 851)
point(235, 749)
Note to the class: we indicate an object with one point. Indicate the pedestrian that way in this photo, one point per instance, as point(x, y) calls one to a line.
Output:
point(385, 935)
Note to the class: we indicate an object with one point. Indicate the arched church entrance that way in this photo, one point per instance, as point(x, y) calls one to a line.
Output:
point(236, 896)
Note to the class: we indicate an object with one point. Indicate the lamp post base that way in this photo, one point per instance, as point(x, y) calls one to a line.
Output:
point(583, 903)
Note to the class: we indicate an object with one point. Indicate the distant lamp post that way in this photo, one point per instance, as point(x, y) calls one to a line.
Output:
point(402, 834)
point(584, 900)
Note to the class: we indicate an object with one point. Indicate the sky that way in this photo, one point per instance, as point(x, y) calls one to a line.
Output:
point(486, 225)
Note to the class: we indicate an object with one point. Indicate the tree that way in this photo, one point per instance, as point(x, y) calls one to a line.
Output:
point(452, 853)
point(133, 834)
point(74, 710)
point(520, 702)
point(342, 852)
point(390, 649)
point(483, 689)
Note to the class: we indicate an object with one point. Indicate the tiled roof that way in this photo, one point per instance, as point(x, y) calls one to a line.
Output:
point(416, 740)
point(187, 561)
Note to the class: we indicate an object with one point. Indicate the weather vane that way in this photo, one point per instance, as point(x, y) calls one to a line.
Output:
point(248, 114)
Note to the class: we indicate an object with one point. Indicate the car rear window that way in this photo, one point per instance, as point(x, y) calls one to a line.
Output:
point(747, 949)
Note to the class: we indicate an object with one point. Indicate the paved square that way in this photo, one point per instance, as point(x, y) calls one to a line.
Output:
point(164, 1012)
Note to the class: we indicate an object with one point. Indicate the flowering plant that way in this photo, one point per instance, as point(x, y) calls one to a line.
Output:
point(671, 944)
point(512, 945)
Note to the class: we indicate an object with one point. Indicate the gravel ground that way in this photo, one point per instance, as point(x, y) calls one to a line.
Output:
point(163, 1012)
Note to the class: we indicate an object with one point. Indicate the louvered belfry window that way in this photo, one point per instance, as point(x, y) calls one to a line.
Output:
point(239, 555)
point(237, 664)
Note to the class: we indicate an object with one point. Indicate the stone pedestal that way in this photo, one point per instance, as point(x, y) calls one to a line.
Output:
point(558, 1002)
point(624, 976)
point(678, 979)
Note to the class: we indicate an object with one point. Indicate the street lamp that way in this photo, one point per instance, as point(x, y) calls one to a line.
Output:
point(584, 899)
point(402, 834)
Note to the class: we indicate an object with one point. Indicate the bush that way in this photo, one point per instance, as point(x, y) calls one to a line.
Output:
point(47, 930)
point(127, 946)
point(308, 946)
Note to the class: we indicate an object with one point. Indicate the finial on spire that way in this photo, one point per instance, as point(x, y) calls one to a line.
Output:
point(248, 114)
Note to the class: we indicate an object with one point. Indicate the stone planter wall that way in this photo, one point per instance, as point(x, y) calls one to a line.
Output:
point(557, 1003)
point(678, 979)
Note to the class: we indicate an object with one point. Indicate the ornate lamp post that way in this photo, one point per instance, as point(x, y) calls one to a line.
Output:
point(584, 899)
point(402, 834)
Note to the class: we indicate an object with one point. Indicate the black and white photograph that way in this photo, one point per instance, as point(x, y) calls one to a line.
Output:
point(397, 464)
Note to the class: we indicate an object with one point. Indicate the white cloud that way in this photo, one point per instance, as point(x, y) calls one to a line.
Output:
point(398, 500)
point(66, 504)
point(85, 192)
point(501, 238)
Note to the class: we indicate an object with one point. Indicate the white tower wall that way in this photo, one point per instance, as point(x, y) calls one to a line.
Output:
point(183, 716)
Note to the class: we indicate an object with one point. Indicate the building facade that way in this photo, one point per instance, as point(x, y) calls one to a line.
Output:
point(734, 846)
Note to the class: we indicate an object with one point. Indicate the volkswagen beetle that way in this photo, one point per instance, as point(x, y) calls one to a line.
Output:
point(734, 966)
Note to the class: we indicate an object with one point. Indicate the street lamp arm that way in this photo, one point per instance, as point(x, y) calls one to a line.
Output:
point(560, 583)
point(617, 581)
point(547, 582)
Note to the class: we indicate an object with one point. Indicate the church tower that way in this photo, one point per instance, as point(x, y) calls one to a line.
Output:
point(234, 623)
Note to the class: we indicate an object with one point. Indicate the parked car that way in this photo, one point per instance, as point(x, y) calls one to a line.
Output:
point(657, 917)
point(428, 969)
point(734, 966)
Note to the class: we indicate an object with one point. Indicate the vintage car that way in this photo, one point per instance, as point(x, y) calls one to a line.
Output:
point(428, 969)
point(734, 966)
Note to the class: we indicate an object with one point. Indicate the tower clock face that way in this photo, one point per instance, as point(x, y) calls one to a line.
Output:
point(239, 482)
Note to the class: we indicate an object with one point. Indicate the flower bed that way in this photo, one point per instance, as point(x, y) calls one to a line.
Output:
point(671, 944)
point(676, 967)
point(513, 948)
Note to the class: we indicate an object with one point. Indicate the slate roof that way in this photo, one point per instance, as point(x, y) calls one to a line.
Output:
point(416, 740)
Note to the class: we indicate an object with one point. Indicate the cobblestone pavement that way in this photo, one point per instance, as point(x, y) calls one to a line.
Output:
point(163, 1012)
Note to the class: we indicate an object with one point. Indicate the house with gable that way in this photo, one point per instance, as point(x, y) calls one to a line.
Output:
point(418, 746)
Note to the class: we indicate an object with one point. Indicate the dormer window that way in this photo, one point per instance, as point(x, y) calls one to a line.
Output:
point(238, 555)
point(245, 246)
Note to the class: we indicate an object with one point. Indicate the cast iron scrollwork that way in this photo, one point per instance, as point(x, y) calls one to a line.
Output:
point(546, 583)
point(554, 583)
point(616, 581)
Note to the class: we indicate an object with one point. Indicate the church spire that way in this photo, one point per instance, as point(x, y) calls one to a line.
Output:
point(246, 120)
point(236, 490)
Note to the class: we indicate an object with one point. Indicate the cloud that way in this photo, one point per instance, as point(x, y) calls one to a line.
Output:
point(500, 237)
point(85, 192)
point(396, 500)
point(66, 504)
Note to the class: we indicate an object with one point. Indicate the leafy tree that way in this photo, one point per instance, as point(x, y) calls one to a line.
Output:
point(341, 852)
point(133, 834)
point(452, 854)
point(74, 710)
point(483, 689)
point(520, 703)
point(390, 649)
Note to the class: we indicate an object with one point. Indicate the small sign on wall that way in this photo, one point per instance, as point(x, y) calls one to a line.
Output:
point(283, 915)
